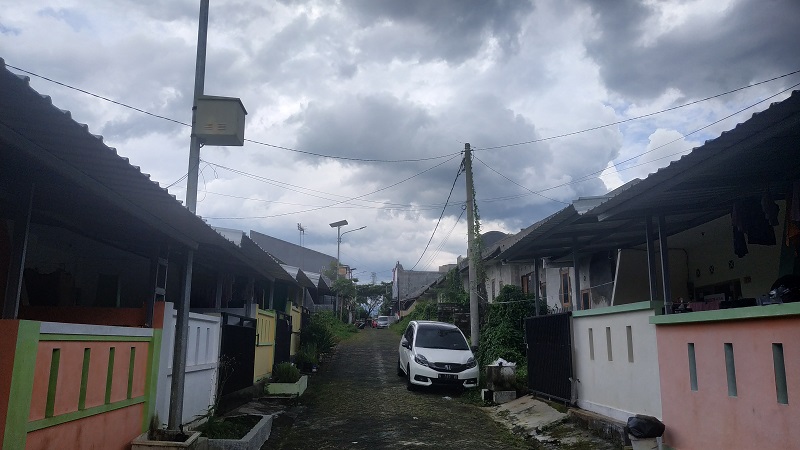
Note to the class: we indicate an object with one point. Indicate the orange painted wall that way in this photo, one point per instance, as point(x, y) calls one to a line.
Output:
point(70, 370)
point(8, 346)
point(110, 431)
point(709, 417)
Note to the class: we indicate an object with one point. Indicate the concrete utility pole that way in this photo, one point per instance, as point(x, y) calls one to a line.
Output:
point(182, 322)
point(474, 319)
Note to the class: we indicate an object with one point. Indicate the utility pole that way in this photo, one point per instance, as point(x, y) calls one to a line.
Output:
point(474, 319)
point(182, 321)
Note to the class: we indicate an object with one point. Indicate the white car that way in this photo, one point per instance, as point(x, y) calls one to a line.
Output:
point(383, 322)
point(436, 353)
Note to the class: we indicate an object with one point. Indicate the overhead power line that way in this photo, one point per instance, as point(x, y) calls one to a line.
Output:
point(523, 187)
point(345, 158)
point(338, 202)
point(599, 127)
point(460, 169)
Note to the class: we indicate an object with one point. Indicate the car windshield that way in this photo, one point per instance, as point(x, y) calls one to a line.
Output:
point(440, 337)
point(382, 319)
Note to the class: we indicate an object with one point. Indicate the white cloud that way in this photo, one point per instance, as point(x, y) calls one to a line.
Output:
point(404, 80)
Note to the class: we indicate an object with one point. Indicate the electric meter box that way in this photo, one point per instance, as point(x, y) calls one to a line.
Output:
point(220, 120)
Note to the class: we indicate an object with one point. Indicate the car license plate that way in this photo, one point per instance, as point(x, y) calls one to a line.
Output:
point(447, 376)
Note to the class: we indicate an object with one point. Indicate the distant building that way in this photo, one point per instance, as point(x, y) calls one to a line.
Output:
point(407, 282)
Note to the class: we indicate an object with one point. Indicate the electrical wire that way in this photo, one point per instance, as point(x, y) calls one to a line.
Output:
point(599, 127)
point(419, 159)
point(523, 187)
point(588, 176)
point(339, 202)
point(444, 241)
point(460, 169)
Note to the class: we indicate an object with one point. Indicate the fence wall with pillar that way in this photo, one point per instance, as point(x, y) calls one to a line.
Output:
point(76, 386)
point(202, 364)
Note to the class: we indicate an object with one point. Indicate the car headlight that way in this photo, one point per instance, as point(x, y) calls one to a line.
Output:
point(471, 363)
point(421, 360)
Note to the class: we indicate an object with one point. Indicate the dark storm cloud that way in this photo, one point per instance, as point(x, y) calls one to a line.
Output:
point(370, 126)
point(382, 126)
point(751, 41)
point(454, 30)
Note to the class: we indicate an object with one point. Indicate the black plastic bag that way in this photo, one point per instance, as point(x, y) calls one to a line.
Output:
point(643, 427)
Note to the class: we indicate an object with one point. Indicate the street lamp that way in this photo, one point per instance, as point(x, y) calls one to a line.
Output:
point(338, 225)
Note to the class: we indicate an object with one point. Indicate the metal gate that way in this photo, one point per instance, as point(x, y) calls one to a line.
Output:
point(283, 337)
point(549, 342)
point(237, 353)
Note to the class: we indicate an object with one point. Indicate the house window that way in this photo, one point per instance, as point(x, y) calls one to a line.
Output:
point(566, 287)
point(525, 284)
point(493, 285)
point(543, 289)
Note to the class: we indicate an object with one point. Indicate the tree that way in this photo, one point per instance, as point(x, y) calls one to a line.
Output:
point(372, 296)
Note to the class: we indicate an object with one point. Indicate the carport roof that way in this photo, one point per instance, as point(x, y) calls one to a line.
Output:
point(757, 155)
point(299, 276)
point(83, 185)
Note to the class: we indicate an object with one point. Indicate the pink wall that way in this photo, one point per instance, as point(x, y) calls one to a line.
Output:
point(709, 417)
point(113, 430)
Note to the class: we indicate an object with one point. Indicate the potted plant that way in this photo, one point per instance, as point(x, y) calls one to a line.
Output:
point(287, 380)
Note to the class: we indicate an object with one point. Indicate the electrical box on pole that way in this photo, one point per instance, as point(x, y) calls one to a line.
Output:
point(220, 120)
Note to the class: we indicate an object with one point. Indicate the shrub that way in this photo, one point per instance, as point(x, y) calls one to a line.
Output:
point(503, 333)
point(285, 373)
point(423, 311)
point(307, 354)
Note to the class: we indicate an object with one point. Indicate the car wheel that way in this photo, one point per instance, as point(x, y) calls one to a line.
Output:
point(409, 385)
point(399, 369)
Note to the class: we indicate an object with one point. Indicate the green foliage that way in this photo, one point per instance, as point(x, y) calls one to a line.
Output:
point(285, 373)
point(423, 311)
point(502, 335)
point(307, 354)
point(324, 330)
point(453, 290)
point(345, 288)
point(228, 427)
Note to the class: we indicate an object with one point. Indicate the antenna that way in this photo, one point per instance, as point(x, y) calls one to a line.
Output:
point(302, 232)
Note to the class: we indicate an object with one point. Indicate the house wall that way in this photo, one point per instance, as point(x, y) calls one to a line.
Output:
point(620, 379)
point(202, 363)
point(760, 265)
point(507, 274)
point(632, 277)
point(265, 344)
point(76, 386)
point(54, 249)
point(710, 415)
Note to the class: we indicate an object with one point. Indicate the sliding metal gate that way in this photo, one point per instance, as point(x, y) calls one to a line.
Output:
point(549, 342)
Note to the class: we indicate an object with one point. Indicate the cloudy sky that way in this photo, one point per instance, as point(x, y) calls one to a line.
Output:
point(359, 109)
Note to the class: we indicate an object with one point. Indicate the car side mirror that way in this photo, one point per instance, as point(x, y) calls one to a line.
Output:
point(473, 348)
point(404, 343)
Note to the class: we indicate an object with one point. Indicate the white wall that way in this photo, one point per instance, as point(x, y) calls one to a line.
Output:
point(202, 360)
point(618, 388)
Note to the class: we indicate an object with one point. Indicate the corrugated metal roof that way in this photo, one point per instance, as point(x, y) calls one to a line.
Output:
point(83, 185)
point(762, 153)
